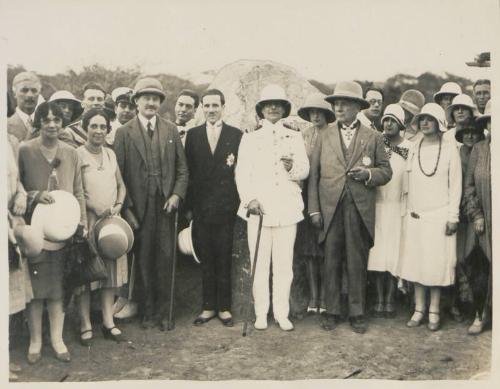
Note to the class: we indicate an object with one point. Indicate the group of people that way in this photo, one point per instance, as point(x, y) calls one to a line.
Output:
point(402, 193)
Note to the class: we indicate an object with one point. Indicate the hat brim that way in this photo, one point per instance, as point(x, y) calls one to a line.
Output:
point(392, 117)
point(439, 95)
point(152, 91)
point(413, 109)
point(304, 113)
point(414, 122)
point(459, 134)
point(260, 105)
point(364, 104)
point(481, 120)
point(449, 112)
point(120, 223)
point(77, 108)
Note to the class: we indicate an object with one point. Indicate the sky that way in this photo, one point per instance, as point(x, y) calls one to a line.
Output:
point(326, 40)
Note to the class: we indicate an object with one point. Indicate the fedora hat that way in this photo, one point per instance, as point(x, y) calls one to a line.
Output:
point(273, 92)
point(149, 85)
point(29, 240)
point(316, 101)
point(448, 88)
point(64, 95)
point(461, 100)
point(433, 110)
point(348, 90)
point(412, 100)
point(58, 221)
point(113, 237)
point(185, 242)
point(394, 111)
point(470, 125)
point(481, 120)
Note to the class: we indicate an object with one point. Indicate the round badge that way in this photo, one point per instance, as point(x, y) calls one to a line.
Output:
point(367, 161)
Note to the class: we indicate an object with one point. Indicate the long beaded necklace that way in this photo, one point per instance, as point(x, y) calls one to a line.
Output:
point(437, 160)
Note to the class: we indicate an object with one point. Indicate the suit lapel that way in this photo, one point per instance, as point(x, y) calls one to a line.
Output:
point(221, 143)
point(136, 134)
point(359, 146)
point(162, 136)
point(333, 136)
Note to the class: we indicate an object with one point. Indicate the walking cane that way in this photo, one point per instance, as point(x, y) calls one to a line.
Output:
point(252, 276)
point(171, 324)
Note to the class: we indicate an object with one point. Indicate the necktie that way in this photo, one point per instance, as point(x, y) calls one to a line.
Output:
point(150, 130)
point(29, 123)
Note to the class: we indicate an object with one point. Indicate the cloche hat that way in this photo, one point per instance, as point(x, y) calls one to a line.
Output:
point(412, 100)
point(470, 125)
point(433, 110)
point(185, 242)
point(481, 120)
point(113, 237)
point(316, 101)
point(64, 95)
point(273, 92)
point(448, 88)
point(461, 100)
point(394, 111)
point(348, 90)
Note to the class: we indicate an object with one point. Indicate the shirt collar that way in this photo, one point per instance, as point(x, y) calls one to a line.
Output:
point(354, 125)
point(217, 124)
point(24, 116)
point(145, 121)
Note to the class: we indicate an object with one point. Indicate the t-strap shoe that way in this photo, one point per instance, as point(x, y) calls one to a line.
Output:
point(433, 325)
point(416, 319)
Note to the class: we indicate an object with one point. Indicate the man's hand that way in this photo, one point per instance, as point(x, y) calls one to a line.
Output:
point(131, 219)
point(479, 226)
point(359, 173)
point(317, 221)
point(172, 203)
point(451, 228)
point(19, 205)
point(255, 208)
point(287, 163)
point(45, 198)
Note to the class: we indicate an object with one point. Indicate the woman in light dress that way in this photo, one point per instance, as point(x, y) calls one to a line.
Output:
point(385, 253)
point(104, 194)
point(432, 191)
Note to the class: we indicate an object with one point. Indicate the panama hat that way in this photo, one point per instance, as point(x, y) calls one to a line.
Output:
point(433, 110)
point(29, 240)
point(113, 237)
point(412, 100)
point(348, 90)
point(149, 85)
point(58, 221)
point(394, 111)
point(461, 100)
point(185, 242)
point(64, 95)
point(316, 101)
point(481, 120)
point(273, 92)
point(448, 88)
point(470, 125)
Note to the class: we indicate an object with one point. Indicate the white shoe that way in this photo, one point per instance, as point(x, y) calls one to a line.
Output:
point(285, 324)
point(260, 323)
point(129, 310)
point(119, 304)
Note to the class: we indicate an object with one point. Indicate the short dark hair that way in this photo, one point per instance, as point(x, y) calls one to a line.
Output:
point(481, 81)
point(93, 85)
point(211, 92)
point(190, 93)
point(87, 116)
point(43, 110)
point(375, 89)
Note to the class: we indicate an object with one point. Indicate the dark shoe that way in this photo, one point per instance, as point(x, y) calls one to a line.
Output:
point(147, 322)
point(434, 325)
point(86, 342)
point(390, 311)
point(226, 322)
point(328, 321)
point(199, 321)
point(358, 324)
point(378, 310)
point(456, 314)
point(164, 324)
point(109, 335)
point(34, 358)
point(63, 357)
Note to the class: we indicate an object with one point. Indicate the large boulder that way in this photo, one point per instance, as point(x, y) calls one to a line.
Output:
point(241, 83)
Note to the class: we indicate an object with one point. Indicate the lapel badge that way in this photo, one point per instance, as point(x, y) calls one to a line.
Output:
point(230, 160)
point(366, 161)
point(170, 141)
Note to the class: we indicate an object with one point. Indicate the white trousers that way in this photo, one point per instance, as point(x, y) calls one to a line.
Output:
point(276, 243)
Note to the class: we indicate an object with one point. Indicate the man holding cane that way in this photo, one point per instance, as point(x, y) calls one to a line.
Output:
point(271, 163)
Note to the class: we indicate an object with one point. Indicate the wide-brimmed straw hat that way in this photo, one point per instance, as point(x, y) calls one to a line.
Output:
point(185, 242)
point(348, 90)
point(433, 110)
point(448, 88)
point(394, 111)
point(273, 92)
point(58, 221)
point(29, 240)
point(64, 95)
point(149, 85)
point(482, 119)
point(113, 236)
point(461, 100)
point(469, 125)
point(316, 101)
point(412, 100)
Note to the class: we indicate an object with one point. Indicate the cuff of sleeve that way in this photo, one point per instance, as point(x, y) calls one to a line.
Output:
point(314, 213)
point(367, 182)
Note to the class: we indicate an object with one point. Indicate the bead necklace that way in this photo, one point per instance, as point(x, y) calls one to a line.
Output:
point(97, 155)
point(437, 160)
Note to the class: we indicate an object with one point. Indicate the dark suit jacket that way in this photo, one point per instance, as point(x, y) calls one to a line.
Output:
point(328, 174)
point(16, 127)
point(130, 152)
point(212, 193)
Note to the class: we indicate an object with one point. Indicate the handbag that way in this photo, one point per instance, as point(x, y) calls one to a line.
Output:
point(82, 265)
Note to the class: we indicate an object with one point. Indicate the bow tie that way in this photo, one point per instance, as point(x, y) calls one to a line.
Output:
point(352, 127)
point(182, 133)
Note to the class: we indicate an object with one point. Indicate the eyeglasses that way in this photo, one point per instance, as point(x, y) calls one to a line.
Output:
point(375, 101)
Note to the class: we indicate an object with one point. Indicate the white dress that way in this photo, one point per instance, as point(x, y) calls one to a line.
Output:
point(385, 252)
point(428, 255)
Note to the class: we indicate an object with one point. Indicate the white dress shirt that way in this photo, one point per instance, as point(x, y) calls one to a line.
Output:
point(145, 121)
point(213, 134)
